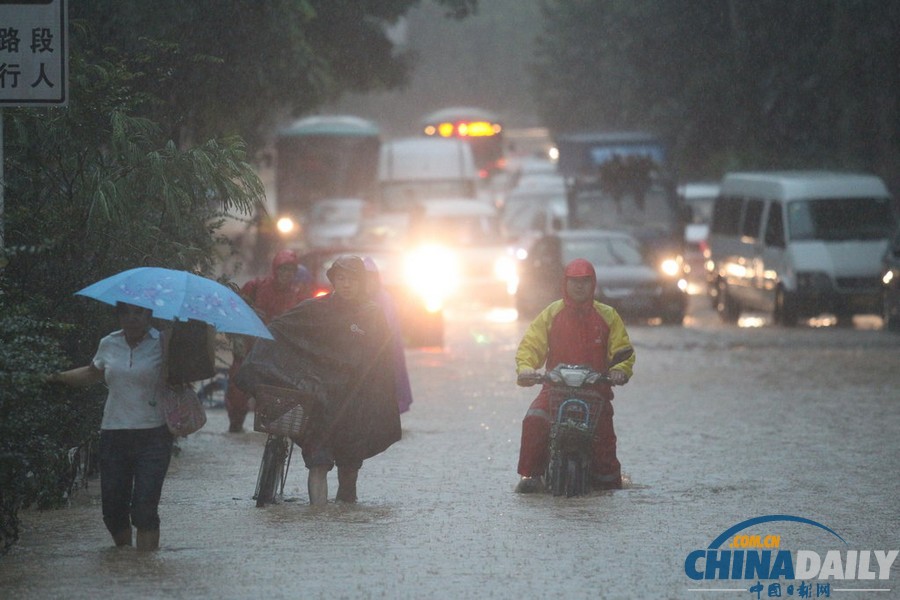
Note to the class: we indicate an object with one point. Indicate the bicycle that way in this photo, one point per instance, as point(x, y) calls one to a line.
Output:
point(284, 415)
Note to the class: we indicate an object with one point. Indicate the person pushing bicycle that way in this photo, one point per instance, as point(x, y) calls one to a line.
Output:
point(573, 330)
point(341, 342)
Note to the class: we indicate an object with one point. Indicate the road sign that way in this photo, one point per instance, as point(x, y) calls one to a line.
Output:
point(34, 53)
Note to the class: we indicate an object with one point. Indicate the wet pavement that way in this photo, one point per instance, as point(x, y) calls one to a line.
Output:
point(720, 424)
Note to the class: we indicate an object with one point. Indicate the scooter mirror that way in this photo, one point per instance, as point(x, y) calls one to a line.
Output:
point(621, 356)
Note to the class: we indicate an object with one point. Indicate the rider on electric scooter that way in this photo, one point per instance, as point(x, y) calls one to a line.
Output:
point(574, 330)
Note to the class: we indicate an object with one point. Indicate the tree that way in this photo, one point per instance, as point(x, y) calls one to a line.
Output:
point(731, 84)
point(90, 190)
point(95, 189)
point(241, 66)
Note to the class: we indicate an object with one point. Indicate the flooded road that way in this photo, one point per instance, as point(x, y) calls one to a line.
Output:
point(719, 425)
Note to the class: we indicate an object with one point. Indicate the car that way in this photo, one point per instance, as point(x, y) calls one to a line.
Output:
point(531, 210)
point(890, 280)
point(628, 279)
point(457, 243)
point(797, 244)
point(699, 197)
point(420, 311)
point(696, 247)
point(468, 233)
point(334, 221)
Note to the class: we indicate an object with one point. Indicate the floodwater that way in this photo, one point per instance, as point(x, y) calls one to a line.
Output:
point(719, 425)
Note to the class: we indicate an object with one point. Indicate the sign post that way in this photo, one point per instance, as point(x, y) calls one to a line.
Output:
point(34, 57)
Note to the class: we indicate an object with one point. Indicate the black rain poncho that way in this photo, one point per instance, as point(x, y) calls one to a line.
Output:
point(344, 350)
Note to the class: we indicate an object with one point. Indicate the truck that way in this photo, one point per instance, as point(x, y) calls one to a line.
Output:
point(420, 168)
point(622, 181)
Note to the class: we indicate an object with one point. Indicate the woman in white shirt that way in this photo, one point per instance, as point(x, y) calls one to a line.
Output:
point(135, 443)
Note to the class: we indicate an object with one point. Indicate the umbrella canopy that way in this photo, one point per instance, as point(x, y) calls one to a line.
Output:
point(179, 295)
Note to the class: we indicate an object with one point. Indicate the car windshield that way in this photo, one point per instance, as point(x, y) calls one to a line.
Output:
point(604, 252)
point(405, 195)
point(837, 219)
point(458, 230)
point(336, 212)
point(524, 213)
point(601, 210)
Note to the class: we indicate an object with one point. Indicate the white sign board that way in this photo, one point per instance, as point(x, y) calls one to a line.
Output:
point(34, 53)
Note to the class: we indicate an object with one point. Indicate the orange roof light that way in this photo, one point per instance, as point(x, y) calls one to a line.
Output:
point(478, 129)
point(464, 129)
point(445, 129)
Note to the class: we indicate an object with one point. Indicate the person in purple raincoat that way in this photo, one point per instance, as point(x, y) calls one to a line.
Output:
point(383, 299)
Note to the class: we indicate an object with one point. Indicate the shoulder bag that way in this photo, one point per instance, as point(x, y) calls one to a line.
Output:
point(182, 409)
point(180, 405)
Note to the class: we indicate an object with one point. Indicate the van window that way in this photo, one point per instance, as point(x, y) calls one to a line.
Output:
point(775, 226)
point(836, 219)
point(726, 216)
point(752, 218)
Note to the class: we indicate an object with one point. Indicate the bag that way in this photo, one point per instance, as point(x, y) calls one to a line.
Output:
point(190, 348)
point(182, 409)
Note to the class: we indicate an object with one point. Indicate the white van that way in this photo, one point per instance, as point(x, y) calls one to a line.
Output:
point(419, 168)
point(798, 244)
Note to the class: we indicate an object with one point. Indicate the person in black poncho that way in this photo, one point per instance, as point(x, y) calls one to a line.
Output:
point(340, 345)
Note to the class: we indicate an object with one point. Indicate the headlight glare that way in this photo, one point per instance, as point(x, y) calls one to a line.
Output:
point(286, 225)
point(432, 272)
point(670, 267)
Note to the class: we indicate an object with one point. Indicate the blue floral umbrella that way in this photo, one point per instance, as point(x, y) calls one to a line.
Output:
point(179, 295)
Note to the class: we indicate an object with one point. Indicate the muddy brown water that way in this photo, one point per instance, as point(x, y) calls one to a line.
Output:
point(719, 425)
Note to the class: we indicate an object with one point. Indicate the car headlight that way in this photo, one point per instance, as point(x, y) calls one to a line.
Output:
point(505, 271)
point(432, 272)
point(286, 225)
point(671, 267)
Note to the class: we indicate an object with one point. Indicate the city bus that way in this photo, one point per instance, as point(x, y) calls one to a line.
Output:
point(323, 157)
point(479, 128)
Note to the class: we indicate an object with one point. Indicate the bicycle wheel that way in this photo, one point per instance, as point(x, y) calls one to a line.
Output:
point(271, 470)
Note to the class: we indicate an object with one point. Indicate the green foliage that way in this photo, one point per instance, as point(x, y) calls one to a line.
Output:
point(97, 190)
point(241, 66)
point(90, 190)
point(42, 427)
point(741, 84)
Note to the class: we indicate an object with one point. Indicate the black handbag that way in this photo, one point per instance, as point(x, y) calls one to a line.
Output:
point(190, 351)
